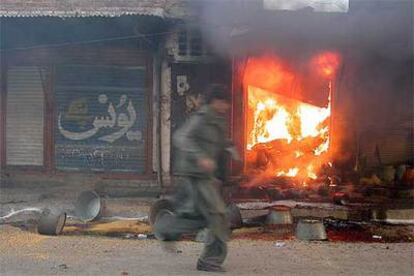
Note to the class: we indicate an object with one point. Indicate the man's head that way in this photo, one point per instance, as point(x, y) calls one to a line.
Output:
point(218, 99)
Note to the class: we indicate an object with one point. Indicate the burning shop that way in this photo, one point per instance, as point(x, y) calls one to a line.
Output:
point(297, 117)
point(283, 111)
point(285, 133)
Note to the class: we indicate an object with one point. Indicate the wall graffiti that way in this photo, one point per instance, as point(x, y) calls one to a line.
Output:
point(122, 120)
point(101, 121)
point(96, 158)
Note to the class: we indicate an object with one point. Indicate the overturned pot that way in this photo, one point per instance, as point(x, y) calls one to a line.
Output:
point(157, 206)
point(51, 222)
point(279, 215)
point(89, 206)
point(311, 230)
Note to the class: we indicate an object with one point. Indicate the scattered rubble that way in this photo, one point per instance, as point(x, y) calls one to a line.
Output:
point(119, 228)
point(63, 266)
point(280, 244)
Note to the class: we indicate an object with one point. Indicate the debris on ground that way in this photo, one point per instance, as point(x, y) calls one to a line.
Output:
point(280, 244)
point(12, 237)
point(112, 228)
point(352, 231)
point(136, 236)
point(63, 266)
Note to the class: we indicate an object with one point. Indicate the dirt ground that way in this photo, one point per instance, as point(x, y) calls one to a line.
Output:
point(97, 249)
point(27, 253)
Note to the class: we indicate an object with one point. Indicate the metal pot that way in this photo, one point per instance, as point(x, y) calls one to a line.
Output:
point(157, 207)
point(279, 215)
point(310, 230)
point(235, 217)
point(51, 222)
point(89, 206)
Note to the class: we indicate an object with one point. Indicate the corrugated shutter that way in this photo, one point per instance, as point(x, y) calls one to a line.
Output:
point(102, 118)
point(25, 116)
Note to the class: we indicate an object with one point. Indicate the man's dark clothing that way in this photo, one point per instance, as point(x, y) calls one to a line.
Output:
point(197, 201)
point(203, 135)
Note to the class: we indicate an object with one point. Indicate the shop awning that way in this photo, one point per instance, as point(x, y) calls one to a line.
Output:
point(81, 8)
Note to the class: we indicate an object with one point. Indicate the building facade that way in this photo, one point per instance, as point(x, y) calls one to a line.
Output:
point(79, 90)
point(92, 90)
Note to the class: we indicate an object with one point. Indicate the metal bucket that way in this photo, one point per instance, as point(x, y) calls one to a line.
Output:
point(279, 215)
point(51, 222)
point(234, 215)
point(157, 206)
point(311, 230)
point(89, 206)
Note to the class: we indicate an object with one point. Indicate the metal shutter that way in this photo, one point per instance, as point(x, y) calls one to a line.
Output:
point(25, 116)
point(101, 118)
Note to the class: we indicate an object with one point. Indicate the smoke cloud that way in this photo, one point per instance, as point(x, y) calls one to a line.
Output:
point(375, 38)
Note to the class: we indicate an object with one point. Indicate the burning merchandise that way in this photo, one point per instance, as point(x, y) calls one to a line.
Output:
point(292, 137)
point(286, 136)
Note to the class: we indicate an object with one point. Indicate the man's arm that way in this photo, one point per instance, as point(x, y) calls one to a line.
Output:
point(232, 150)
point(184, 140)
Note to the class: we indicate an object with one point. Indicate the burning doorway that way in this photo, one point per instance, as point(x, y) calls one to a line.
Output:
point(287, 124)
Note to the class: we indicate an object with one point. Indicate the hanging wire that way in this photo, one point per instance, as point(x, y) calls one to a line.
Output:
point(201, 23)
point(93, 41)
point(56, 45)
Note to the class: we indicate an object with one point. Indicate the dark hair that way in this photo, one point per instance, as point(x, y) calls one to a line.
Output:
point(218, 92)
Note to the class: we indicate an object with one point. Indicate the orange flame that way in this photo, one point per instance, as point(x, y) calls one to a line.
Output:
point(289, 137)
point(261, 73)
point(326, 63)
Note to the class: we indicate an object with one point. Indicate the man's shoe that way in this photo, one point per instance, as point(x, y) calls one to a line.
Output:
point(202, 266)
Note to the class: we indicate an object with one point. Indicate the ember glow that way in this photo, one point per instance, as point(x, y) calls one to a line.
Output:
point(326, 64)
point(285, 136)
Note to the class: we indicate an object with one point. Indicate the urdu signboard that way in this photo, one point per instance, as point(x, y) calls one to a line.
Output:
point(101, 118)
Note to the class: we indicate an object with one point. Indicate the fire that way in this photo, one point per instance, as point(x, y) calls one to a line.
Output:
point(291, 173)
point(261, 73)
point(270, 121)
point(273, 120)
point(285, 136)
point(326, 63)
point(311, 174)
point(302, 128)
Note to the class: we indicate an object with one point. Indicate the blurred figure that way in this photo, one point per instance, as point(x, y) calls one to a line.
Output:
point(200, 144)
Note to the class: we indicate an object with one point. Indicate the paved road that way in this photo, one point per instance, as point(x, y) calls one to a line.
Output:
point(25, 253)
